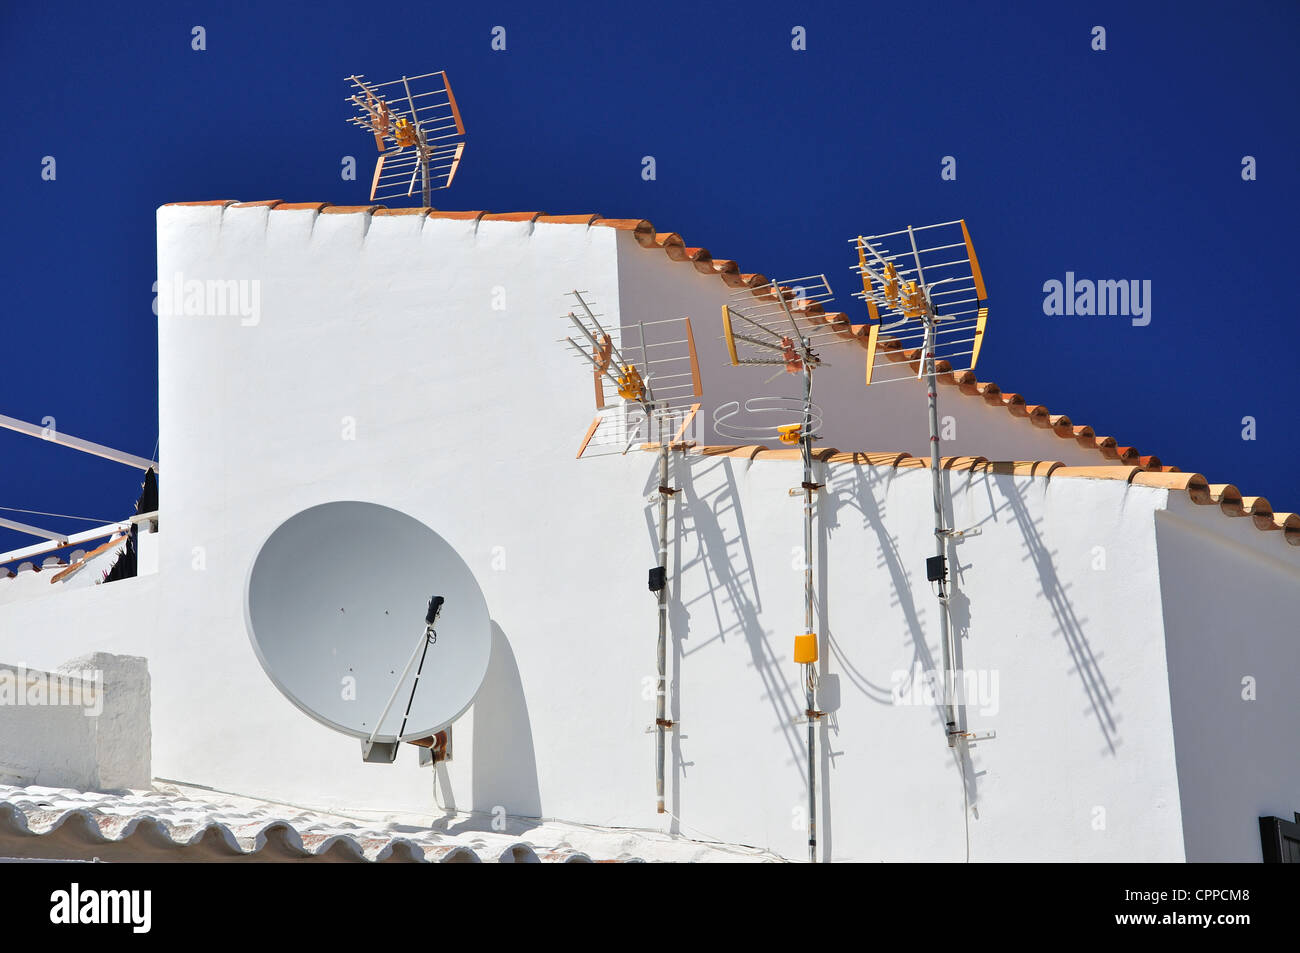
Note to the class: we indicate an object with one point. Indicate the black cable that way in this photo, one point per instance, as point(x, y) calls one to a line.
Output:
point(429, 636)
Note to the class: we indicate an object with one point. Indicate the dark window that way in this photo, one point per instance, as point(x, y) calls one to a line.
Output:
point(1281, 840)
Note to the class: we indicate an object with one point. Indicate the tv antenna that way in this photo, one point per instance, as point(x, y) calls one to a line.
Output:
point(781, 325)
point(923, 286)
point(371, 624)
point(414, 121)
point(646, 380)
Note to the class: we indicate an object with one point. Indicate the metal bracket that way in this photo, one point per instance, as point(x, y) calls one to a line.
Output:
point(958, 533)
point(969, 738)
point(663, 723)
point(810, 716)
point(801, 490)
point(378, 752)
point(667, 491)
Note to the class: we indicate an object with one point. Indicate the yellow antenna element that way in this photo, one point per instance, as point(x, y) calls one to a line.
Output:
point(805, 649)
point(913, 301)
point(591, 431)
point(686, 422)
point(872, 335)
point(979, 336)
point(451, 101)
point(891, 284)
point(789, 433)
point(455, 161)
point(600, 358)
point(630, 384)
point(974, 267)
point(696, 383)
point(729, 336)
point(862, 263)
point(403, 133)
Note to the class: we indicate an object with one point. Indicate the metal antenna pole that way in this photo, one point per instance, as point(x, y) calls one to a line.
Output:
point(810, 669)
point(940, 537)
point(424, 178)
point(661, 653)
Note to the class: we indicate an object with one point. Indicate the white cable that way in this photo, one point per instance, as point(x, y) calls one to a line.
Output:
point(88, 519)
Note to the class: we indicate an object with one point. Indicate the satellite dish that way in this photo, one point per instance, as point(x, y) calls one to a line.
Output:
point(342, 607)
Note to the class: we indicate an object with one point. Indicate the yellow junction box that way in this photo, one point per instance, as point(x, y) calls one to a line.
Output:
point(805, 648)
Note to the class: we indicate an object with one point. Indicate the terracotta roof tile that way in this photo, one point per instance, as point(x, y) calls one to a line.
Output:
point(457, 216)
point(512, 216)
point(1193, 483)
point(641, 230)
point(350, 209)
point(1024, 467)
point(1260, 510)
point(1228, 497)
point(873, 459)
point(380, 210)
point(1289, 523)
point(568, 219)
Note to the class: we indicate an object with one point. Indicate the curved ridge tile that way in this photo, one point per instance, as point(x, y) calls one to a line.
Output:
point(568, 219)
point(350, 209)
point(456, 216)
point(1260, 510)
point(1193, 483)
point(511, 216)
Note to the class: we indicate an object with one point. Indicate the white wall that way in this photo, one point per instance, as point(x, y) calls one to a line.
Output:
point(886, 416)
point(83, 725)
point(1231, 595)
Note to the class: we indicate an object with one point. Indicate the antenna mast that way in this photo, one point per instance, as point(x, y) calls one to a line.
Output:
point(920, 285)
point(415, 133)
point(780, 325)
point(653, 382)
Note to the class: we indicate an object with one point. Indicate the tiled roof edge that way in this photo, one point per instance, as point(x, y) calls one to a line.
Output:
point(90, 828)
point(1225, 495)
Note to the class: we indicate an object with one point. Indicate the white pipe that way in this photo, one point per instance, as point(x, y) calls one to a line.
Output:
point(30, 530)
point(76, 443)
point(100, 532)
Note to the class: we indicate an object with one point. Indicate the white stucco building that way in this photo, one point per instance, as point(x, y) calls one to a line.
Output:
point(1131, 628)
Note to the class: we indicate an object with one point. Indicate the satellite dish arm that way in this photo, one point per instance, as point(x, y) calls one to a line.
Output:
point(421, 649)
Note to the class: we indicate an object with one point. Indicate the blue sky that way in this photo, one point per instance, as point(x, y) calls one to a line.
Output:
point(1117, 164)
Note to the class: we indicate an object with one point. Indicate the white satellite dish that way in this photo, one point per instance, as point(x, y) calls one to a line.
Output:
point(342, 609)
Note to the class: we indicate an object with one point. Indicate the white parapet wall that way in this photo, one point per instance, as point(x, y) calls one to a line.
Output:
point(84, 725)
